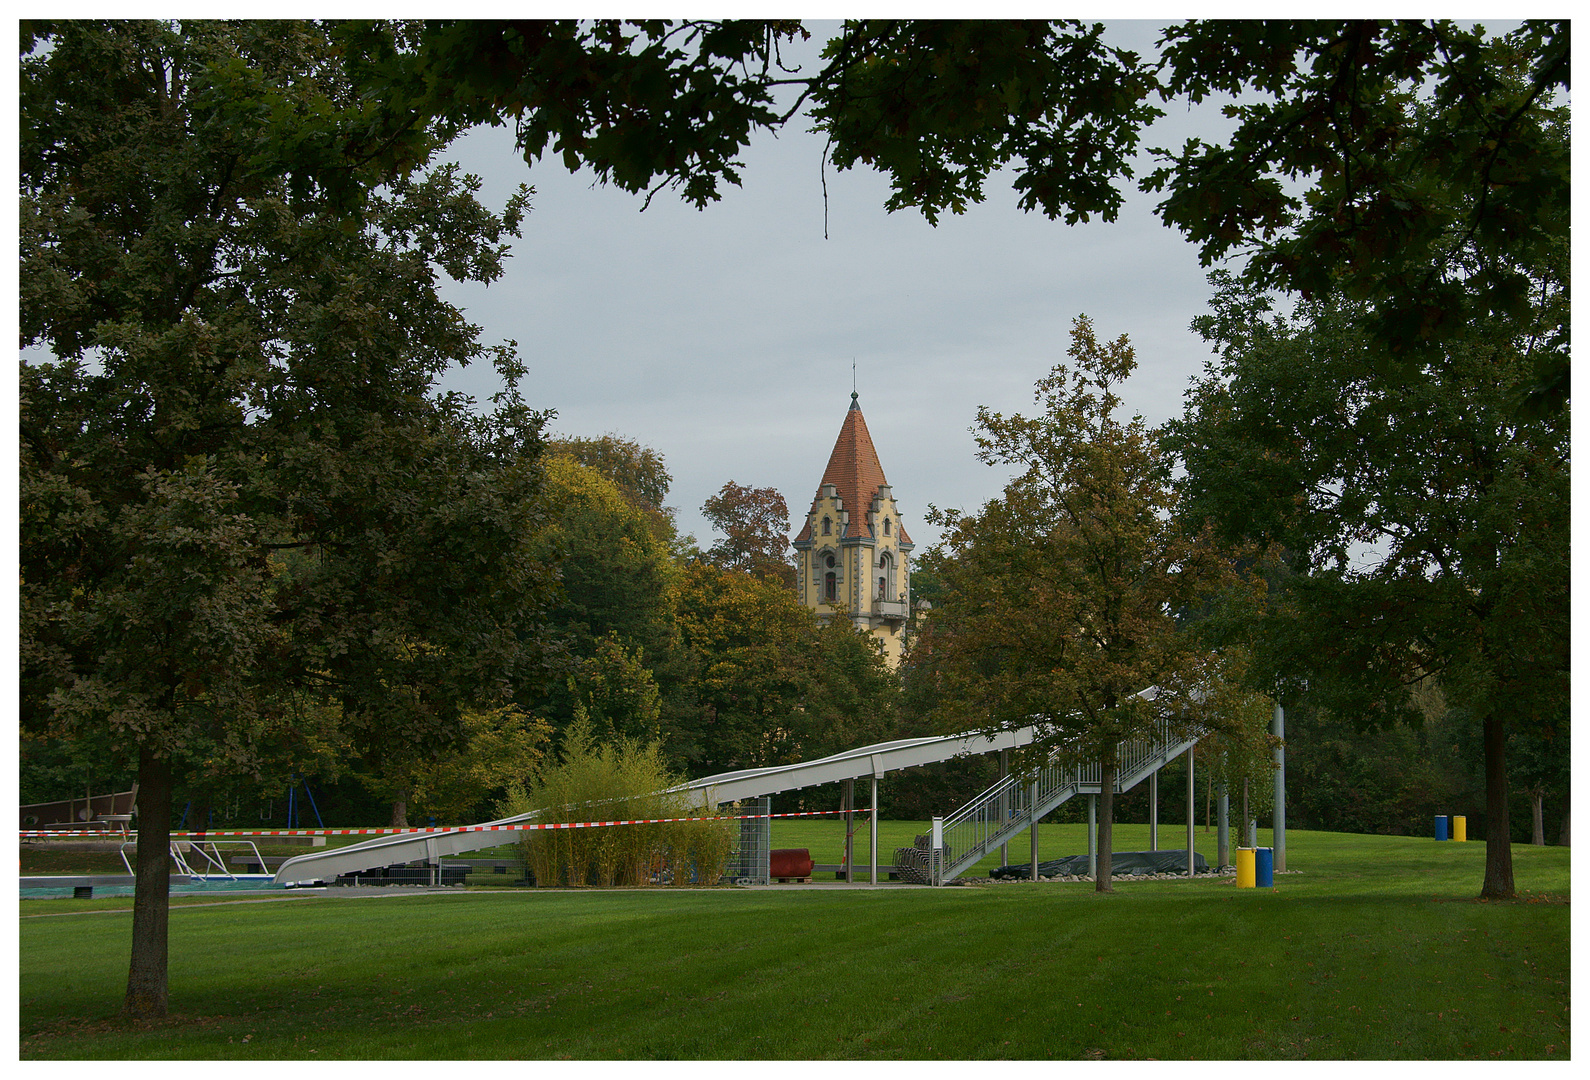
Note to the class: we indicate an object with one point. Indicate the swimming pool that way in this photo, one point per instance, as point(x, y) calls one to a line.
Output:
point(243, 883)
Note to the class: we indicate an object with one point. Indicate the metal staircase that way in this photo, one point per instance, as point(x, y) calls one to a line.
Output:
point(1011, 806)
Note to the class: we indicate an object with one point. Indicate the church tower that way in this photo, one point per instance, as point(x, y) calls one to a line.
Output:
point(853, 555)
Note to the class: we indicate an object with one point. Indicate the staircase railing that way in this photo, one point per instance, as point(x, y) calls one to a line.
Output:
point(1010, 805)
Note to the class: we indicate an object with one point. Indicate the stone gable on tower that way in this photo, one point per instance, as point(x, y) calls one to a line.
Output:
point(853, 551)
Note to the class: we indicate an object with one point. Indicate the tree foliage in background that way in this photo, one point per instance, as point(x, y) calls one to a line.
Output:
point(755, 527)
point(1238, 751)
point(639, 472)
point(615, 613)
point(499, 746)
point(235, 480)
point(1423, 520)
point(618, 575)
point(771, 684)
point(1061, 595)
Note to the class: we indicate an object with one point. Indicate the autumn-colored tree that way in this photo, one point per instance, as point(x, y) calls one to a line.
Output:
point(1060, 596)
point(755, 527)
point(638, 471)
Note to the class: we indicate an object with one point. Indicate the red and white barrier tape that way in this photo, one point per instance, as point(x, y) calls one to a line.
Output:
point(526, 827)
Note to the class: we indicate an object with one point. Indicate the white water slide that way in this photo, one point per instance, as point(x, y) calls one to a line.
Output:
point(867, 761)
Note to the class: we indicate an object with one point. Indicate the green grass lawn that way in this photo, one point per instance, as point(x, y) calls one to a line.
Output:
point(1375, 949)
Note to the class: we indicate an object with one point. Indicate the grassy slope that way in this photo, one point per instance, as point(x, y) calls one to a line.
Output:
point(1375, 950)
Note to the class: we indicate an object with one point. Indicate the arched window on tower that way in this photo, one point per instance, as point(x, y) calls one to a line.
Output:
point(886, 588)
point(830, 587)
point(886, 526)
point(828, 527)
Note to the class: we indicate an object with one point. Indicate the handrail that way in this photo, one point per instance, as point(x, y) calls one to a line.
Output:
point(1013, 803)
point(212, 858)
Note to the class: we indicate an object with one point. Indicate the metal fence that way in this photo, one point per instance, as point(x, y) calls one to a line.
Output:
point(749, 861)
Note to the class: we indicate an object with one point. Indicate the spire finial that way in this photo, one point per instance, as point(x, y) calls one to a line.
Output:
point(853, 402)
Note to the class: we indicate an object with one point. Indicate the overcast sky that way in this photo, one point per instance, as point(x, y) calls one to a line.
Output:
point(724, 338)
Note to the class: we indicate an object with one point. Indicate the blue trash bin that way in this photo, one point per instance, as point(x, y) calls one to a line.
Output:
point(1440, 826)
point(1264, 868)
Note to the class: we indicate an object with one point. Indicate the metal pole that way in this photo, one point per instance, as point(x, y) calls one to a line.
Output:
point(935, 852)
point(1004, 811)
point(1249, 839)
point(1093, 837)
point(1280, 791)
point(1032, 808)
point(875, 828)
point(1153, 810)
point(1223, 835)
point(850, 830)
point(1192, 812)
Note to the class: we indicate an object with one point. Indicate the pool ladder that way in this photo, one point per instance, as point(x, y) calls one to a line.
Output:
point(208, 850)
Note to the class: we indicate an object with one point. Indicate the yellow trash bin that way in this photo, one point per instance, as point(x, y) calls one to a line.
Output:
point(1460, 828)
point(1245, 867)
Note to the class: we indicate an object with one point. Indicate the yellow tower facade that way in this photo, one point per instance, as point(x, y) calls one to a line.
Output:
point(853, 553)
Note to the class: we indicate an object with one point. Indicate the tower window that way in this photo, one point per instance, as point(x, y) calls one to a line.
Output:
point(828, 527)
point(886, 526)
point(831, 585)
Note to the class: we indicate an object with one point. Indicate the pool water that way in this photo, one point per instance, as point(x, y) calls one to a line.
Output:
point(244, 883)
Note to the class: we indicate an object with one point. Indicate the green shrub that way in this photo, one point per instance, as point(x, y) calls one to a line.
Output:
point(624, 780)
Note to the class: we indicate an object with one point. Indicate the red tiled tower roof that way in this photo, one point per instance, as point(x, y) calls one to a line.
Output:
point(854, 471)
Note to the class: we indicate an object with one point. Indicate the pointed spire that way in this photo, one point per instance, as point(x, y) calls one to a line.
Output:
point(854, 471)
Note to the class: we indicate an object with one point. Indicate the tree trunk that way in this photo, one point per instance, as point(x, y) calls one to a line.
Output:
point(146, 974)
point(400, 809)
point(1562, 837)
point(1498, 829)
point(198, 814)
point(1105, 852)
point(1537, 834)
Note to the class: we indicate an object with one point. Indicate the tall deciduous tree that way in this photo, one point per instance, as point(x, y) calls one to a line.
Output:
point(236, 482)
point(1061, 595)
point(755, 527)
point(1424, 519)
